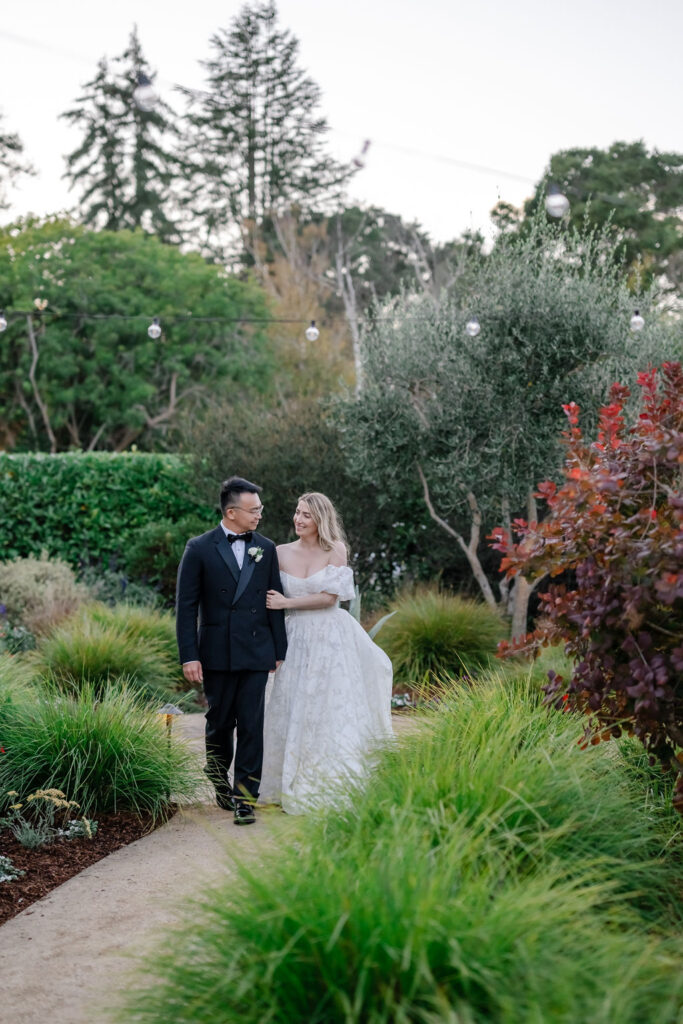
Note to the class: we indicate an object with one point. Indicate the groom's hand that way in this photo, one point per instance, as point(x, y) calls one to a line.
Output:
point(192, 670)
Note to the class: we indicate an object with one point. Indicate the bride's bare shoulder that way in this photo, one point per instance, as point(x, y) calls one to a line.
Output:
point(338, 555)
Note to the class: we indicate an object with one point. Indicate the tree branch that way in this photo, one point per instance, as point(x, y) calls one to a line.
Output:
point(469, 549)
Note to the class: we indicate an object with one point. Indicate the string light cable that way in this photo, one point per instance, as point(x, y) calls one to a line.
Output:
point(472, 326)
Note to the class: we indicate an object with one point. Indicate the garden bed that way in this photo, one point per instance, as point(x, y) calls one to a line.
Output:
point(48, 866)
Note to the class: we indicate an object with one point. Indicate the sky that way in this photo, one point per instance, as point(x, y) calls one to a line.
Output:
point(463, 102)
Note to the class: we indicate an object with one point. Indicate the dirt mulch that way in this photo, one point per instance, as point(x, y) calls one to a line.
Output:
point(48, 866)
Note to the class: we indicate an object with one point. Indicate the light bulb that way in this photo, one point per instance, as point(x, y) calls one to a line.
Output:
point(312, 332)
point(637, 322)
point(556, 202)
point(144, 95)
point(473, 327)
point(154, 329)
point(3, 321)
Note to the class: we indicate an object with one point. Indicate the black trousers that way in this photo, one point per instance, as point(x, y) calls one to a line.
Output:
point(236, 701)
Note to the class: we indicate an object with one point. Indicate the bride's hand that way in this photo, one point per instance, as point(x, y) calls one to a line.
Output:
point(275, 600)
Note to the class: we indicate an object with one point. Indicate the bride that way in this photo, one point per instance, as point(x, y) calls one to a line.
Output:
point(330, 700)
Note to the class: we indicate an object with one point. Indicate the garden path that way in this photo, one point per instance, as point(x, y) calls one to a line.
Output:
point(65, 958)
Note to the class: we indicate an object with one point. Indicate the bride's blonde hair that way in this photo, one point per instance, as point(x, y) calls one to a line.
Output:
point(326, 519)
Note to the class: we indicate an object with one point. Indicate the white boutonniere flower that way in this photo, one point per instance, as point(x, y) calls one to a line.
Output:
point(256, 554)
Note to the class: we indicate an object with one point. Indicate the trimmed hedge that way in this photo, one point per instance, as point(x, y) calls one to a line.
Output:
point(89, 506)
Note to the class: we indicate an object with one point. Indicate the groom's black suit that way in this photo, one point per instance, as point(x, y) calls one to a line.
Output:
point(222, 621)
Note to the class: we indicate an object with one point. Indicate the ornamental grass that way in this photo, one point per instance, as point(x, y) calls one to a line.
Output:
point(490, 871)
point(85, 652)
point(433, 635)
point(99, 744)
point(145, 624)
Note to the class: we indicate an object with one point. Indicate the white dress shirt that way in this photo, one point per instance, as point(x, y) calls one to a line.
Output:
point(238, 547)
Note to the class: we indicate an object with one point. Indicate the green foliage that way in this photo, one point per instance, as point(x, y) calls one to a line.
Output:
point(155, 551)
point(100, 744)
point(636, 194)
point(12, 164)
point(432, 635)
point(100, 381)
point(255, 139)
point(114, 587)
point(123, 164)
point(93, 652)
point(148, 627)
point(38, 593)
point(289, 451)
point(90, 507)
point(495, 875)
point(480, 416)
point(44, 816)
point(8, 871)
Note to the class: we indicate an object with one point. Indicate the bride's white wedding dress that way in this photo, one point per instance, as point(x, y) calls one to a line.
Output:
point(329, 703)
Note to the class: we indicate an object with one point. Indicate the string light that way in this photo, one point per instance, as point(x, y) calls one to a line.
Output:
point(637, 322)
point(154, 329)
point(144, 96)
point(472, 327)
point(3, 321)
point(556, 202)
point(312, 332)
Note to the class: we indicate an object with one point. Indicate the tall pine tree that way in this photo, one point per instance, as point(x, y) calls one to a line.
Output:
point(124, 165)
point(256, 134)
point(11, 163)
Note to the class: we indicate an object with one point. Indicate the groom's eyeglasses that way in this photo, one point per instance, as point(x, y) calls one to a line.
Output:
point(249, 511)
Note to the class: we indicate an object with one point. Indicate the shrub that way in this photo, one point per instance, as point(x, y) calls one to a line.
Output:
point(91, 504)
point(84, 651)
point(617, 524)
point(434, 634)
point(99, 744)
point(494, 875)
point(37, 593)
point(145, 626)
point(113, 587)
point(154, 553)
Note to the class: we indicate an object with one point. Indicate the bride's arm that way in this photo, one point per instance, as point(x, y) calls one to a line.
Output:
point(276, 600)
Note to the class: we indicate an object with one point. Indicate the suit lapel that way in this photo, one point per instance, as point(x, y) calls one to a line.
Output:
point(246, 574)
point(225, 551)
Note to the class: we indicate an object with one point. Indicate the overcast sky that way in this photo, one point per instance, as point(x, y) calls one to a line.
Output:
point(433, 83)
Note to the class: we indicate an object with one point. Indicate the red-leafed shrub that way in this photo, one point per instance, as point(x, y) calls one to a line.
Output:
point(615, 527)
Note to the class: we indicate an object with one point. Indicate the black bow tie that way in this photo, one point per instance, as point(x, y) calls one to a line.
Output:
point(232, 537)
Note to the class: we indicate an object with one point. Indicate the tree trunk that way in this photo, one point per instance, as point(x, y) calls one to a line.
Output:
point(521, 593)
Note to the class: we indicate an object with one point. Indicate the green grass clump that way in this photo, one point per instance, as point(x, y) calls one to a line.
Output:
point(490, 871)
point(99, 746)
point(433, 634)
point(145, 624)
point(86, 651)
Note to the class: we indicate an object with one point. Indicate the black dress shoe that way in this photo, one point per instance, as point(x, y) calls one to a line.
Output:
point(244, 813)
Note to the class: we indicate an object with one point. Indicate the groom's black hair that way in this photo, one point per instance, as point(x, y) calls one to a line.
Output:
point(232, 488)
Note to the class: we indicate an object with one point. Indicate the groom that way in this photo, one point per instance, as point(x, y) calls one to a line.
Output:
point(229, 641)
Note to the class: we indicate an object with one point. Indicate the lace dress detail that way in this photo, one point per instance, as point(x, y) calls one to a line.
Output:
point(329, 704)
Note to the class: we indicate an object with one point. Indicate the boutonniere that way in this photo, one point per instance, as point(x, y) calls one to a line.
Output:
point(256, 554)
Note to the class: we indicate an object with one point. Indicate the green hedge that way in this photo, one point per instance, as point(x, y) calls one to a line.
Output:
point(89, 506)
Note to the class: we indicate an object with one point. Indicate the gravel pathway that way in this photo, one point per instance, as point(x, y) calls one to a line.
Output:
point(64, 959)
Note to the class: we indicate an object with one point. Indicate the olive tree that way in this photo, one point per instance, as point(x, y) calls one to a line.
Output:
point(474, 419)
